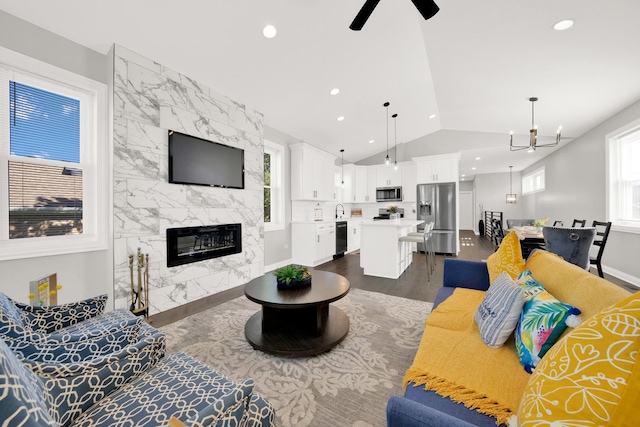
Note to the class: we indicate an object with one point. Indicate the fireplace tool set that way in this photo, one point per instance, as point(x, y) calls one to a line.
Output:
point(140, 293)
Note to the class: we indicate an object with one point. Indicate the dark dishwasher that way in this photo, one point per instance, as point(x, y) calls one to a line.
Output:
point(341, 239)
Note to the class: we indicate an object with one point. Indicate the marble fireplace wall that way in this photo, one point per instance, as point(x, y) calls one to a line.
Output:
point(149, 99)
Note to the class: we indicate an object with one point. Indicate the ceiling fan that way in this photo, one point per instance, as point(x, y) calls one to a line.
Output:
point(427, 9)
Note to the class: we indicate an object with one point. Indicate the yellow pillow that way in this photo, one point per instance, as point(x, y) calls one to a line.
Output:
point(591, 377)
point(508, 258)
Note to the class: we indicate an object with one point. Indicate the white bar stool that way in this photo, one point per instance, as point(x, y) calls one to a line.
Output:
point(424, 237)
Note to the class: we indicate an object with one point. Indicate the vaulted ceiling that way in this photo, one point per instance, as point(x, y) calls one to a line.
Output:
point(473, 65)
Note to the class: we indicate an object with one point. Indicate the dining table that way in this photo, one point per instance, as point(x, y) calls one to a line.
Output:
point(530, 238)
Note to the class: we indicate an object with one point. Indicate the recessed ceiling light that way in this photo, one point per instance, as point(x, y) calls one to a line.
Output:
point(335, 91)
point(473, 168)
point(269, 31)
point(529, 150)
point(477, 158)
point(433, 116)
point(565, 24)
point(464, 175)
point(371, 141)
point(462, 179)
point(341, 118)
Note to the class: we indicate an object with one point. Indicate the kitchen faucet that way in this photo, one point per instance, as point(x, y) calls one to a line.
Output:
point(342, 207)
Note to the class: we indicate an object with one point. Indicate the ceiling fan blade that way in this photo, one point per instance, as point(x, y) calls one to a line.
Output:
point(363, 15)
point(427, 8)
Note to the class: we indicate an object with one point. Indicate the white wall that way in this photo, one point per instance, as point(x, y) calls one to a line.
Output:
point(81, 275)
point(576, 188)
point(491, 193)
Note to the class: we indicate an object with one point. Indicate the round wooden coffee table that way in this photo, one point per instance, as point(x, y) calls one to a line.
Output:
point(297, 322)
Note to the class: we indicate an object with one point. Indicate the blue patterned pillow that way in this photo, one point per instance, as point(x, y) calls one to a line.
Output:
point(544, 318)
point(499, 312)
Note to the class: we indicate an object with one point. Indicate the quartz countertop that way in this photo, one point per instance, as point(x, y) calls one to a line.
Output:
point(393, 222)
point(328, 221)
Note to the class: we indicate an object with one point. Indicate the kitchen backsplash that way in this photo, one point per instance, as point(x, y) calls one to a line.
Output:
point(305, 210)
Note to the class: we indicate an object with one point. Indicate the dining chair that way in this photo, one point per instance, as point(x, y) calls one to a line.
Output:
point(572, 244)
point(558, 224)
point(602, 234)
point(581, 222)
point(497, 232)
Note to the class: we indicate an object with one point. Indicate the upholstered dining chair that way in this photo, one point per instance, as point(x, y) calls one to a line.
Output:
point(580, 222)
point(558, 224)
point(572, 244)
point(602, 234)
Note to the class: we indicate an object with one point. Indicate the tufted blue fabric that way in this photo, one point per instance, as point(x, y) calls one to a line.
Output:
point(180, 386)
point(50, 318)
point(121, 390)
point(79, 331)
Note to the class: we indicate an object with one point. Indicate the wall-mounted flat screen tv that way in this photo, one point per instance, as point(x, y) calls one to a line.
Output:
point(197, 161)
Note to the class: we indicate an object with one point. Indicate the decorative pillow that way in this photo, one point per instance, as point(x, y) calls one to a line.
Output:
point(592, 375)
point(508, 258)
point(499, 312)
point(542, 321)
point(531, 286)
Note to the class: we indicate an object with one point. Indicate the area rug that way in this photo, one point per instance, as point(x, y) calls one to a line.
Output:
point(347, 386)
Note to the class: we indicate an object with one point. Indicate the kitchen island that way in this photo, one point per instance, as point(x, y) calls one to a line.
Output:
point(382, 254)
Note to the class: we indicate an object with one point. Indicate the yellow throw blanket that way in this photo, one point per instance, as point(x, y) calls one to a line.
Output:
point(453, 361)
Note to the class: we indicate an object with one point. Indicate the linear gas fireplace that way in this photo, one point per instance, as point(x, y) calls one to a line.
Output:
point(191, 244)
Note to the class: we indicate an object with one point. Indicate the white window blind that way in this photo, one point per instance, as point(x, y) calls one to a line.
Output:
point(623, 178)
point(533, 182)
point(44, 200)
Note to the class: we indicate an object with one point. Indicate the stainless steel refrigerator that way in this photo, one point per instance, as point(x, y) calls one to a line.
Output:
point(437, 203)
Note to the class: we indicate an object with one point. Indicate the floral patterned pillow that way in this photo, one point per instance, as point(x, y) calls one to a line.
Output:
point(544, 318)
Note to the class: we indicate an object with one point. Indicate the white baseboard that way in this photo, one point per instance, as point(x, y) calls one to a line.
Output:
point(268, 268)
point(635, 281)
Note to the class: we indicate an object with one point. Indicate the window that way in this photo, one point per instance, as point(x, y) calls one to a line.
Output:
point(273, 186)
point(533, 182)
point(623, 175)
point(53, 160)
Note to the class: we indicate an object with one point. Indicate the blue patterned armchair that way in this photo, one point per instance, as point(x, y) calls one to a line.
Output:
point(121, 390)
point(73, 332)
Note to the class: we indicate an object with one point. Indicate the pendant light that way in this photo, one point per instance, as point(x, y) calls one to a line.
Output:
point(511, 197)
point(395, 142)
point(386, 106)
point(342, 166)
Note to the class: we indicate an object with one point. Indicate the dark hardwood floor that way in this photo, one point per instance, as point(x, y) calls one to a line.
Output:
point(412, 284)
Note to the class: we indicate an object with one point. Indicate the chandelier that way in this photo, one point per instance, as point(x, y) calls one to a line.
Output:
point(533, 134)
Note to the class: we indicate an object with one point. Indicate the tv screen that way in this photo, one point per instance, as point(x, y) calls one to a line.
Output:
point(197, 161)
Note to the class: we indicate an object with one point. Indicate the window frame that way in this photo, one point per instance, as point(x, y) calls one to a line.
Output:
point(614, 180)
point(95, 157)
point(531, 176)
point(276, 151)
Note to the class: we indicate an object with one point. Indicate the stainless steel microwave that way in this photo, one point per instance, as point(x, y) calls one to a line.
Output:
point(389, 194)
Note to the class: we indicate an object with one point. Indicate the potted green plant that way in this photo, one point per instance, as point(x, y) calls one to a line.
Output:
point(540, 223)
point(393, 211)
point(293, 276)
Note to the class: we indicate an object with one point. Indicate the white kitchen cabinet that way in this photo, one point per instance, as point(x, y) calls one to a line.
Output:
point(362, 185)
point(313, 243)
point(388, 176)
point(312, 173)
point(442, 168)
point(409, 181)
point(370, 193)
point(354, 228)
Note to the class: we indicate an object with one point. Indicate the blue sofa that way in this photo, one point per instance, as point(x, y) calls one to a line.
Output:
point(567, 282)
